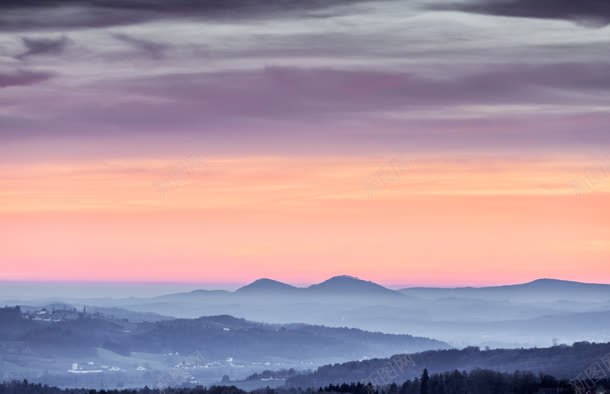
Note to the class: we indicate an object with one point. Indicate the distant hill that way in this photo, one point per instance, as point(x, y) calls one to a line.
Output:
point(561, 361)
point(214, 337)
point(349, 285)
point(108, 312)
point(498, 316)
point(543, 289)
point(343, 285)
point(267, 287)
point(218, 337)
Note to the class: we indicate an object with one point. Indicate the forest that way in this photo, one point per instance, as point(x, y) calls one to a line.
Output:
point(456, 382)
point(563, 362)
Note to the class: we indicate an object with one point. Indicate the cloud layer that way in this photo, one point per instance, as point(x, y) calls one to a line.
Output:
point(70, 14)
point(284, 76)
point(585, 11)
point(22, 78)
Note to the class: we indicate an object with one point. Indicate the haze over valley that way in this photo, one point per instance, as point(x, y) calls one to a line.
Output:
point(203, 336)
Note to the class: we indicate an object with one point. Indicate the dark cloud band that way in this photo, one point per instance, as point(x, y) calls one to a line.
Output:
point(23, 78)
point(43, 46)
point(586, 11)
point(154, 49)
point(39, 14)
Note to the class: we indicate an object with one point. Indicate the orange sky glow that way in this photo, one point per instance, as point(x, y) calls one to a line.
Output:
point(447, 221)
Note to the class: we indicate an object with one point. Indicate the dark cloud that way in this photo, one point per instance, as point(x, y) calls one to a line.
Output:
point(285, 91)
point(294, 106)
point(586, 11)
point(33, 14)
point(43, 46)
point(151, 48)
point(310, 96)
point(23, 78)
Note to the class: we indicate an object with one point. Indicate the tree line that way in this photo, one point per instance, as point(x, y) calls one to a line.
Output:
point(456, 382)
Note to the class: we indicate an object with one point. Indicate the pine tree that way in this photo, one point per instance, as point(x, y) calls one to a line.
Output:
point(425, 378)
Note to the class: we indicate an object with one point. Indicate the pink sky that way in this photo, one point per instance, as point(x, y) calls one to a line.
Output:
point(460, 220)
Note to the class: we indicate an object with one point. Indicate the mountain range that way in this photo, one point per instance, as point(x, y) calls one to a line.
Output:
point(343, 285)
point(538, 313)
point(350, 285)
point(346, 285)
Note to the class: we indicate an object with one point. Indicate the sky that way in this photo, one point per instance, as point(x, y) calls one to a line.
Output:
point(428, 142)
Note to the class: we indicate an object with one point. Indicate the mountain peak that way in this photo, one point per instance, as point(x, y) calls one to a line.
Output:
point(547, 280)
point(345, 279)
point(346, 284)
point(558, 283)
point(266, 285)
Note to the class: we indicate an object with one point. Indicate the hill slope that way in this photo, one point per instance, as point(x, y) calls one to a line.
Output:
point(215, 338)
point(560, 361)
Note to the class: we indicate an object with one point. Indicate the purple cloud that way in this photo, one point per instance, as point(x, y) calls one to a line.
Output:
point(18, 15)
point(43, 46)
point(23, 78)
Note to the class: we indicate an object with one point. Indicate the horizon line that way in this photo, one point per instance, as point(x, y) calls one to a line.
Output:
point(232, 286)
